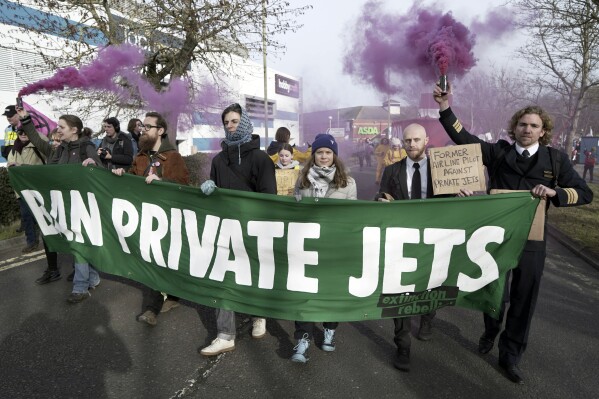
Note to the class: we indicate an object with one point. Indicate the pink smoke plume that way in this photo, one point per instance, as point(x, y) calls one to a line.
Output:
point(423, 43)
point(100, 74)
point(125, 61)
point(497, 23)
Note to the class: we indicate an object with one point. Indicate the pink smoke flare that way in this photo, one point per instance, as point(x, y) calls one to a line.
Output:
point(100, 74)
point(422, 43)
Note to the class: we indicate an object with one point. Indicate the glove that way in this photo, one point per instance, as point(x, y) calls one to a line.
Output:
point(208, 187)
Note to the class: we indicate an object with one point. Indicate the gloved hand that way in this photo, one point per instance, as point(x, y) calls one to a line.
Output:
point(208, 187)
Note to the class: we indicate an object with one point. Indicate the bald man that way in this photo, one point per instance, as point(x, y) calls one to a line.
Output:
point(398, 182)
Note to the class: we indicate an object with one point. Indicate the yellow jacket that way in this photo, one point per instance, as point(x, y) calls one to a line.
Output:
point(380, 151)
point(299, 156)
point(394, 156)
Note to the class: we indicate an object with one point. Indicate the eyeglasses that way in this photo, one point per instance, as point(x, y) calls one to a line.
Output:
point(148, 127)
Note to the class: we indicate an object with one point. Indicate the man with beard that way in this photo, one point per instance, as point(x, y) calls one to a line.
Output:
point(410, 179)
point(157, 159)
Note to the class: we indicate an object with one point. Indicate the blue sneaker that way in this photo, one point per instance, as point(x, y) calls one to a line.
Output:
point(301, 350)
point(328, 343)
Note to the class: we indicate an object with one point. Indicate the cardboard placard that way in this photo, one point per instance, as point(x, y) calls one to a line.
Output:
point(537, 230)
point(286, 179)
point(456, 167)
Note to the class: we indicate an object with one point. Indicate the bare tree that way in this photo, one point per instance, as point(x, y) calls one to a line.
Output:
point(564, 51)
point(174, 33)
point(488, 99)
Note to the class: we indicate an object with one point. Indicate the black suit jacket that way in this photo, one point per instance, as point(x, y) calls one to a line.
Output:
point(394, 181)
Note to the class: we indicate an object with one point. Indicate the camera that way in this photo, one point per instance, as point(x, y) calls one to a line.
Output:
point(103, 152)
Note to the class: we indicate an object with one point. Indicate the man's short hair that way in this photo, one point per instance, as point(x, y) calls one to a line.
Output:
point(536, 110)
point(160, 121)
point(114, 122)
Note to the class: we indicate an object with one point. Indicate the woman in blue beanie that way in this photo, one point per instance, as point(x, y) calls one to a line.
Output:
point(324, 176)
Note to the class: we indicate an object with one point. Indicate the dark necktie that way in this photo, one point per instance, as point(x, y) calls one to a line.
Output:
point(526, 154)
point(416, 184)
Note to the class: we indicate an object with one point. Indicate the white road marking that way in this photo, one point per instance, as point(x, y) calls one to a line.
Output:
point(9, 262)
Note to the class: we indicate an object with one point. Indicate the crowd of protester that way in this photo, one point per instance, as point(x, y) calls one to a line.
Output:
point(402, 173)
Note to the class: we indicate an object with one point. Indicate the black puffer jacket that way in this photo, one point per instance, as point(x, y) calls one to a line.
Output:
point(255, 172)
point(121, 151)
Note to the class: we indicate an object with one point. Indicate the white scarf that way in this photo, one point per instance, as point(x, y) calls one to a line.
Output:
point(320, 177)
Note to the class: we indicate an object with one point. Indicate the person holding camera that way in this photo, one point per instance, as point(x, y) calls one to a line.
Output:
point(116, 150)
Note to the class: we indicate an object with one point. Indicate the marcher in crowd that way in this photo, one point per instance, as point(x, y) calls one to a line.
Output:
point(286, 170)
point(368, 151)
point(527, 164)
point(10, 132)
point(409, 179)
point(395, 154)
point(283, 136)
point(590, 158)
point(241, 165)
point(324, 176)
point(157, 159)
point(380, 152)
point(134, 130)
point(25, 153)
point(74, 149)
point(116, 150)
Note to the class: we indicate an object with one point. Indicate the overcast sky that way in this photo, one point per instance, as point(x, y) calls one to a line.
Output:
point(315, 53)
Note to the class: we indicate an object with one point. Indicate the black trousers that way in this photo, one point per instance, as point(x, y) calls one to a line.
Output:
point(523, 293)
point(307, 327)
point(51, 257)
point(153, 300)
point(403, 327)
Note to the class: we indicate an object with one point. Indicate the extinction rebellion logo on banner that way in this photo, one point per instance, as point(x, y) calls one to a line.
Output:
point(417, 303)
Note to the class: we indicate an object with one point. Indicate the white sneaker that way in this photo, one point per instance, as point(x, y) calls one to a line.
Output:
point(218, 346)
point(259, 328)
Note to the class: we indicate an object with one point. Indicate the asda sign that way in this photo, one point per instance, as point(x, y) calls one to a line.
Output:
point(368, 130)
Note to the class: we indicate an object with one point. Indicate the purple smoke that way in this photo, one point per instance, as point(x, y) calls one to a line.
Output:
point(115, 63)
point(98, 75)
point(495, 24)
point(423, 42)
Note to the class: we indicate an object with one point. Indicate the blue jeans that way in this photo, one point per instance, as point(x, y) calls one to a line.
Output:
point(225, 324)
point(28, 222)
point(85, 276)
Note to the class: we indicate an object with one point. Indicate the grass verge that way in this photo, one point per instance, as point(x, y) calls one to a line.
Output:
point(580, 223)
point(10, 231)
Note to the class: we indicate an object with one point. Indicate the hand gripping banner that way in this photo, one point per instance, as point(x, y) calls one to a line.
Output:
point(272, 256)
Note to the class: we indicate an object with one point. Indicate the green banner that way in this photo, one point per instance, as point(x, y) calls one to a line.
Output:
point(268, 255)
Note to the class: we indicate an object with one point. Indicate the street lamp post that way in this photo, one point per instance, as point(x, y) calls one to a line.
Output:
point(330, 120)
point(265, 73)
